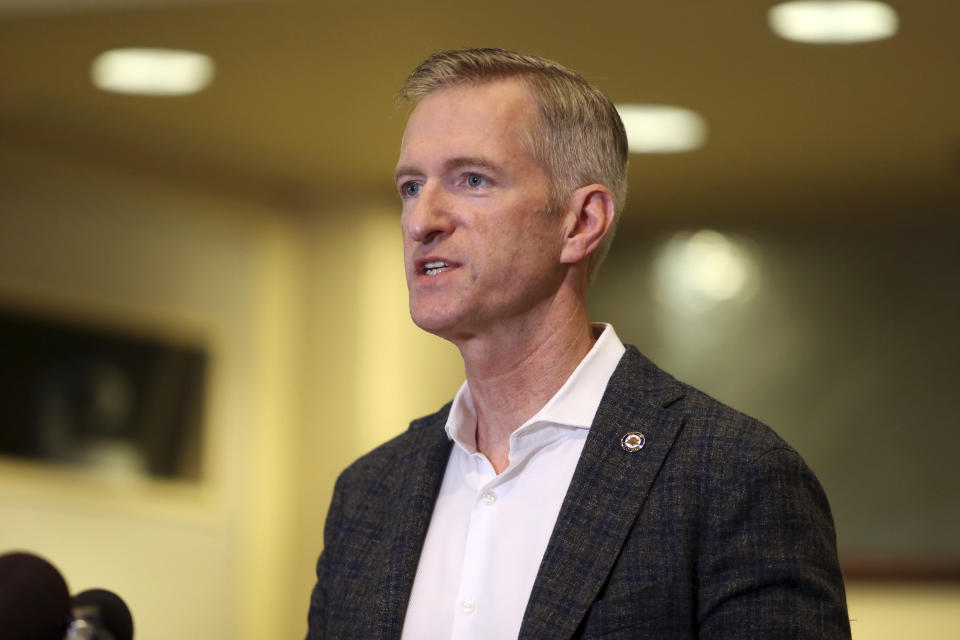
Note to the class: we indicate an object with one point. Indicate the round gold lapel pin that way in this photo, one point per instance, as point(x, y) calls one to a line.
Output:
point(633, 441)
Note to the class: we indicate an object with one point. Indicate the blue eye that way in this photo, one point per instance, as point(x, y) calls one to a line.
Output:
point(410, 189)
point(476, 180)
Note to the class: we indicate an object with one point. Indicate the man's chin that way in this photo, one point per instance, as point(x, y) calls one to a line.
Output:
point(431, 324)
point(443, 325)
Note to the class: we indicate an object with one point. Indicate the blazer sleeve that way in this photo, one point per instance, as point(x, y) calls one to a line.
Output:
point(768, 561)
point(318, 617)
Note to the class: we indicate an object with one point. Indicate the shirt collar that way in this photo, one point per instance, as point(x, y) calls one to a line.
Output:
point(573, 405)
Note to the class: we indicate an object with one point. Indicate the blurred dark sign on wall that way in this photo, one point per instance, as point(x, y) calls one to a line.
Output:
point(91, 397)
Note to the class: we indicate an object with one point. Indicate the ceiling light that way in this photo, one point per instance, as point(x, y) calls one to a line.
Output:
point(154, 72)
point(654, 128)
point(833, 21)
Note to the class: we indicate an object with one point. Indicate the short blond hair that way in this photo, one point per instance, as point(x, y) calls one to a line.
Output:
point(578, 138)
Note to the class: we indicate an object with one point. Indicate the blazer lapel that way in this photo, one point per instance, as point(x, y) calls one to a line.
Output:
point(421, 478)
point(606, 494)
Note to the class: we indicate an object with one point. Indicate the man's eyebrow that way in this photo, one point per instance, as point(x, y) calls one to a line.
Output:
point(471, 161)
point(450, 165)
point(405, 170)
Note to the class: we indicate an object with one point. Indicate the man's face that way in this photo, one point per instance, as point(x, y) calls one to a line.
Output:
point(481, 246)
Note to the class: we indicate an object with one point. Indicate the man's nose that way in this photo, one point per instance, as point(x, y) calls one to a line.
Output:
point(429, 217)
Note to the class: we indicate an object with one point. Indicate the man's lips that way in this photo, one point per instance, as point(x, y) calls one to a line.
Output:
point(433, 266)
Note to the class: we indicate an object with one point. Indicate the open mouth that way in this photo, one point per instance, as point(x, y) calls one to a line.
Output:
point(435, 267)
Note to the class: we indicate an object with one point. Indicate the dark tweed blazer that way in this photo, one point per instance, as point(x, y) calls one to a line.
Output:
point(714, 529)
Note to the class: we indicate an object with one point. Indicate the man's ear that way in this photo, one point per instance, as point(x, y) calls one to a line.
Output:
point(587, 220)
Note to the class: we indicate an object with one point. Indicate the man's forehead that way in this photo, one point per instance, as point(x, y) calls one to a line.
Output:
point(498, 86)
point(497, 108)
point(506, 99)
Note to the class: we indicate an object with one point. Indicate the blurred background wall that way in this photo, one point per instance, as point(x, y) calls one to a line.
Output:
point(801, 266)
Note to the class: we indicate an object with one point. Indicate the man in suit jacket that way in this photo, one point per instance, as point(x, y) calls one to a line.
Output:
point(571, 489)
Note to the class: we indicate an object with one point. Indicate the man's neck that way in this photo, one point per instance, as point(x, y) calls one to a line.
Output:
point(514, 373)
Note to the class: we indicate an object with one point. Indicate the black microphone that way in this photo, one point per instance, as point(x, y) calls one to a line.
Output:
point(34, 599)
point(99, 614)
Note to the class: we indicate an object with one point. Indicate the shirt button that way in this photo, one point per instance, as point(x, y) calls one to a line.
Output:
point(468, 606)
point(488, 497)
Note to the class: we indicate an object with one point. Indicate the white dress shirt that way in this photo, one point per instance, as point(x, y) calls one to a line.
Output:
point(488, 532)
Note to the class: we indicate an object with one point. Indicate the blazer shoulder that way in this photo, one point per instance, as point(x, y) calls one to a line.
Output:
point(712, 427)
point(711, 418)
